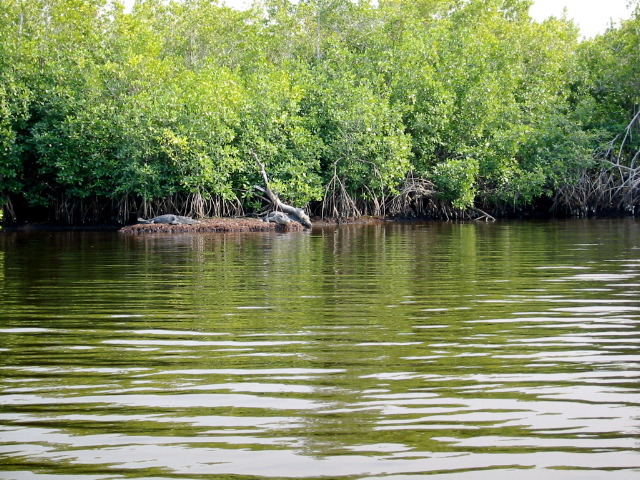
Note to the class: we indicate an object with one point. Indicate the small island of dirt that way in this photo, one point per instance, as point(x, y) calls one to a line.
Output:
point(243, 224)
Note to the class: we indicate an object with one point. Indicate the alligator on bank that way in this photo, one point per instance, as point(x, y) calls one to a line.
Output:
point(170, 219)
point(277, 217)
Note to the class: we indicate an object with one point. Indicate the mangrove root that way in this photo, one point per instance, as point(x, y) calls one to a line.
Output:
point(337, 202)
point(613, 186)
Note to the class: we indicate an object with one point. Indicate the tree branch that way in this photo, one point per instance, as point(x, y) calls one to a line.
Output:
point(296, 214)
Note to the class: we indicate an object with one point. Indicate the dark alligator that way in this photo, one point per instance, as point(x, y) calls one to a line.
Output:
point(170, 219)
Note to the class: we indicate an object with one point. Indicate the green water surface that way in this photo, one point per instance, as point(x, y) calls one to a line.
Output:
point(399, 351)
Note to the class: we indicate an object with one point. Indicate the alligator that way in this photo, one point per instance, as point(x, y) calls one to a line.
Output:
point(277, 217)
point(170, 219)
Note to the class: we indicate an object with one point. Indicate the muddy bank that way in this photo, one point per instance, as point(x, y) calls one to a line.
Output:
point(213, 225)
point(221, 224)
point(243, 224)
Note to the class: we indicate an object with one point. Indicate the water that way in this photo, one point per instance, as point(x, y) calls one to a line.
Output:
point(453, 351)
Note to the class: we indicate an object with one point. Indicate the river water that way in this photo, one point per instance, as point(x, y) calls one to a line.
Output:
point(440, 351)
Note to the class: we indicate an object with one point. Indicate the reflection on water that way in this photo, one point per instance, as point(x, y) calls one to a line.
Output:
point(467, 351)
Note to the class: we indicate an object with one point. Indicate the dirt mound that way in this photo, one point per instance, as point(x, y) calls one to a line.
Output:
point(213, 225)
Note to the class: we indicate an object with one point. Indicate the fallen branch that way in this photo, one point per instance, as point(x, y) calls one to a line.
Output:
point(296, 214)
point(483, 215)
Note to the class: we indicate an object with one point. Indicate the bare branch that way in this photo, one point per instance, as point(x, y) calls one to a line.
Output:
point(296, 214)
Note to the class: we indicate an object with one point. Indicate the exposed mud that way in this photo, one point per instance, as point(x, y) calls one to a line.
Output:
point(213, 225)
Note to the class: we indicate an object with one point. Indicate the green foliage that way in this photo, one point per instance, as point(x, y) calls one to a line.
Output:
point(365, 144)
point(13, 113)
point(273, 129)
point(456, 181)
point(176, 99)
point(608, 84)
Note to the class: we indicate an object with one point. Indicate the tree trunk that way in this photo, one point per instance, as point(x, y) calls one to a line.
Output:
point(296, 214)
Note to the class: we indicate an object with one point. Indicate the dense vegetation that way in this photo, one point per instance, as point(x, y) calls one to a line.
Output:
point(421, 107)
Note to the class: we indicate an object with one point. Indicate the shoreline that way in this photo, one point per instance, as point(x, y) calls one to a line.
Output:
point(245, 224)
point(219, 224)
point(206, 225)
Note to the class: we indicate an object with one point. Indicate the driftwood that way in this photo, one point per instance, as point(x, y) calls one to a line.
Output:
point(293, 213)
